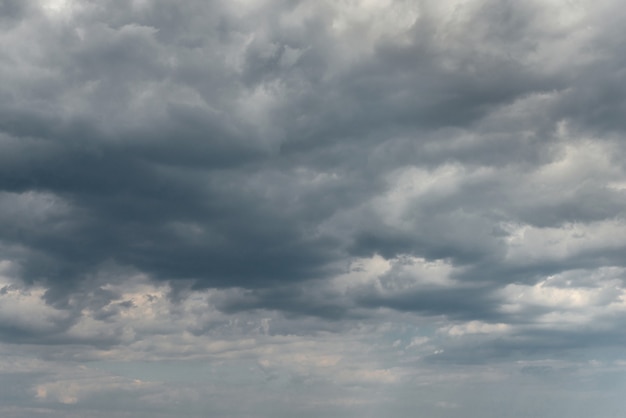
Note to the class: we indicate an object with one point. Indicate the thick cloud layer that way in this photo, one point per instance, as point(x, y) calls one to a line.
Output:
point(349, 198)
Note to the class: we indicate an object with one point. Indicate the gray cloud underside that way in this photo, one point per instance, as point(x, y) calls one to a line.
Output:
point(262, 150)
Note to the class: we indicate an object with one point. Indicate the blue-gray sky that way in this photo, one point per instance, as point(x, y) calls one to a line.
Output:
point(279, 208)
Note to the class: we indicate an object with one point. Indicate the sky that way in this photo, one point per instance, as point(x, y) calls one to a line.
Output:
point(298, 208)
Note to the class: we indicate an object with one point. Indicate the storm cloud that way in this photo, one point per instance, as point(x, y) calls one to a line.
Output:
point(202, 202)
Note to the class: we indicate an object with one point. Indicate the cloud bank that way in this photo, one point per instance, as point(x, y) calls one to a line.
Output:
point(313, 208)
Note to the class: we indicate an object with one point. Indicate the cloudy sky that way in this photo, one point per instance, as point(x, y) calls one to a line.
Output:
point(312, 208)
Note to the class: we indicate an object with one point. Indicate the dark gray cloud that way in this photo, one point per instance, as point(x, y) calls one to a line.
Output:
point(210, 180)
point(224, 150)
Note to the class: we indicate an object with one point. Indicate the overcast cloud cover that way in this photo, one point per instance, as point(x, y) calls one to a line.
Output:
point(281, 208)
